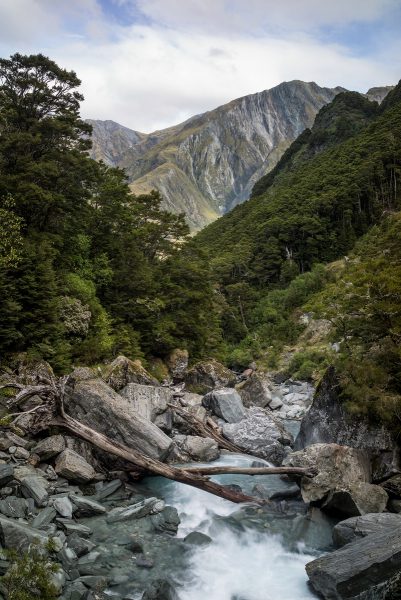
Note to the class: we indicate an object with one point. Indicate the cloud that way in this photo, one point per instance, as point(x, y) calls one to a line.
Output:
point(183, 57)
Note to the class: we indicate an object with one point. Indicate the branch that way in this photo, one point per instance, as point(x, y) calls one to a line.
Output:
point(222, 470)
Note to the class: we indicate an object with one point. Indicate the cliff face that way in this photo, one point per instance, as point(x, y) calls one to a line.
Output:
point(207, 165)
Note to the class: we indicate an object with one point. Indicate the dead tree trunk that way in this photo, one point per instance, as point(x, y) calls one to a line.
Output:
point(222, 470)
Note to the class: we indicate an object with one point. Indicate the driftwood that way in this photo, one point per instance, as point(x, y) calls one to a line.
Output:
point(226, 470)
point(207, 429)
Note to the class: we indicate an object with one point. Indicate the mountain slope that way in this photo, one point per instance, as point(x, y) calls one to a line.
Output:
point(210, 163)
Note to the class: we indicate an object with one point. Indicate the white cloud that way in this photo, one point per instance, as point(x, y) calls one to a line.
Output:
point(195, 54)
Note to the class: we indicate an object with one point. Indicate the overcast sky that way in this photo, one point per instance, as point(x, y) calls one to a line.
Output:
point(148, 64)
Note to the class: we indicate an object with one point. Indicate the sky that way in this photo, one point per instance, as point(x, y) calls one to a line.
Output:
point(149, 64)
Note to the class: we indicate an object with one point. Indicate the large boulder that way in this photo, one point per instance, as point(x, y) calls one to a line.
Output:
point(147, 400)
point(194, 447)
point(207, 375)
point(342, 482)
point(366, 568)
point(49, 447)
point(18, 536)
point(359, 527)
point(74, 467)
point(225, 403)
point(256, 390)
point(94, 403)
point(327, 421)
point(259, 434)
point(123, 371)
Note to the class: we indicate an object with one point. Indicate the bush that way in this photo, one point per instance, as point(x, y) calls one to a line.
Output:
point(305, 365)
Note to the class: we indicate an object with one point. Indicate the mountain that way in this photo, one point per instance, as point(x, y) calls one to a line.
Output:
point(208, 164)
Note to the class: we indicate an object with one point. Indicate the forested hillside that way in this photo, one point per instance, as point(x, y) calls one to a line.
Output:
point(87, 270)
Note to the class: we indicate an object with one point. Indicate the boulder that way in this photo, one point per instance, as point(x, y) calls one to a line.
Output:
point(14, 507)
point(161, 589)
point(18, 536)
point(327, 421)
point(177, 363)
point(166, 521)
point(147, 400)
point(197, 538)
point(49, 447)
point(35, 486)
point(338, 468)
point(207, 375)
point(359, 527)
point(256, 390)
point(123, 371)
point(393, 486)
point(194, 447)
point(356, 499)
point(63, 506)
point(97, 405)
point(259, 434)
point(225, 403)
point(73, 467)
point(366, 568)
point(6, 474)
point(86, 507)
point(149, 506)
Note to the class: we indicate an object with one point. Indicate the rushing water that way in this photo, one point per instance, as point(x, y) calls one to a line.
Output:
point(256, 553)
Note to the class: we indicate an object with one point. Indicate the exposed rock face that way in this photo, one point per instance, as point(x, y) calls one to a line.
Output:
point(148, 401)
point(208, 164)
point(177, 363)
point(367, 568)
point(110, 141)
point(207, 375)
point(225, 403)
point(194, 447)
point(97, 405)
point(359, 527)
point(379, 93)
point(259, 434)
point(123, 371)
point(328, 422)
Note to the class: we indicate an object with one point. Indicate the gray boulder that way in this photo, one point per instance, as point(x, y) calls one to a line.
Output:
point(366, 568)
point(225, 403)
point(97, 405)
point(149, 506)
point(393, 486)
point(123, 371)
point(50, 447)
point(147, 400)
point(166, 521)
point(327, 421)
point(74, 467)
point(356, 499)
point(63, 506)
point(86, 507)
point(194, 447)
point(207, 375)
point(35, 486)
point(259, 434)
point(256, 390)
point(18, 536)
point(359, 527)
point(161, 589)
point(6, 474)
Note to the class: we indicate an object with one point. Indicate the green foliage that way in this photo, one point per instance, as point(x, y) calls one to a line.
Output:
point(29, 576)
point(305, 365)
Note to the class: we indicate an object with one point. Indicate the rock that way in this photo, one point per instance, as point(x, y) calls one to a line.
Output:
point(393, 486)
point(70, 527)
point(194, 447)
point(32, 371)
point(150, 506)
point(256, 390)
point(123, 371)
point(355, 528)
point(6, 474)
point(86, 507)
point(50, 447)
point(291, 492)
point(44, 517)
point(161, 589)
point(338, 468)
point(259, 434)
point(328, 422)
point(107, 489)
point(18, 536)
point(177, 363)
point(76, 591)
point(14, 507)
point(225, 403)
point(147, 400)
point(365, 568)
point(64, 507)
point(92, 399)
point(144, 562)
point(73, 467)
point(34, 486)
point(21, 453)
point(356, 499)
point(57, 580)
point(89, 564)
point(196, 538)
point(80, 545)
point(167, 520)
point(275, 403)
point(208, 375)
point(94, 582)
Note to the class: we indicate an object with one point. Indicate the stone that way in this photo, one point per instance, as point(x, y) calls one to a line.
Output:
point(33, 486)
point(149, 506)
point(144, 562)
point(256, 390)
point(177, 363)
point(194, 447)
point(14, 507)
point(161, 589)
point(70, 527)
point(338, 468)
point(225, 403)
point(366, 568)
point(327, 421)
point(260, 435)
point(50, 447)
point(21, 453)
point(63, 506)
point(76, 591)
point(147, 400)
point(393, 486)
point(123, 371)
point(89, 564)
point(275, 403)
point(18, 536)
point(16, 440)
point(6, 474)
point(359, 527)
point(80, 545)
point(356, 499)
point(166, 521)
point(44, 517)
point(207, 375)
point(57, 579)
point(97, 405)
point(86, 507)
point(74, 467)
point(196, 538)
point(94, 582)
point(107, 489)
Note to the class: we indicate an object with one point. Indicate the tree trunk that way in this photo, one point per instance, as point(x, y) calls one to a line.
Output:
point(222, 470)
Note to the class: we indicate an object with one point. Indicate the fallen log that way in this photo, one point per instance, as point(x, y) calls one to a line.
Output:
point(205, 429)
point(226, 470)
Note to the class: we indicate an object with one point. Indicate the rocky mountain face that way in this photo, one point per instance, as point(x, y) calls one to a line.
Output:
point(208, 164)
